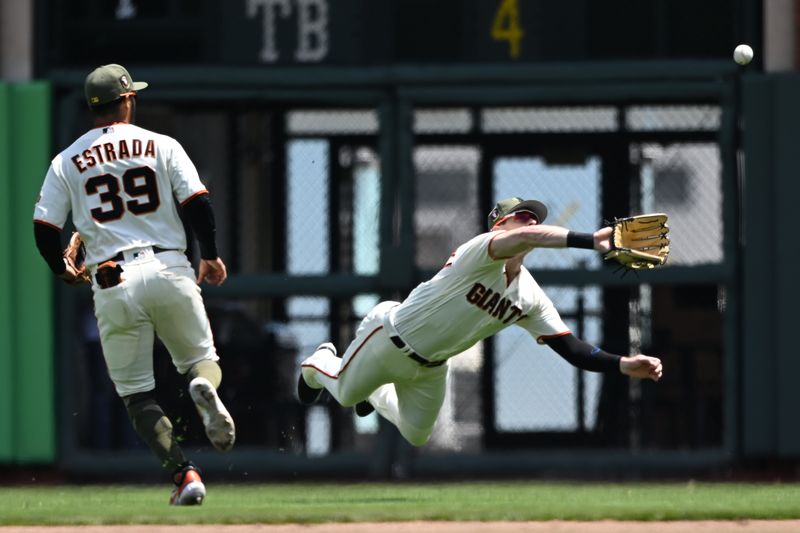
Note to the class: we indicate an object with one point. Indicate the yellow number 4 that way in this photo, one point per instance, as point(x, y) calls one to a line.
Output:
point(506, 26)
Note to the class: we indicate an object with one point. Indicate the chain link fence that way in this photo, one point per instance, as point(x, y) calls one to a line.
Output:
point(534, 391)
point(298, 192)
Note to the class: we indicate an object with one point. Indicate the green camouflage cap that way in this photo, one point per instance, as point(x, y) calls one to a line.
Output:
point(108, 83)
point(511, 205)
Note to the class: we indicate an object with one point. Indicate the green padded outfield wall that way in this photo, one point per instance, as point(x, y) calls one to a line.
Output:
point(27, 413)
point(6, 378)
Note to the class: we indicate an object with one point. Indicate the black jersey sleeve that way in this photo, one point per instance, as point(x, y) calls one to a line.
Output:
point(200, 217)
point(48, 241)
point(583, 355)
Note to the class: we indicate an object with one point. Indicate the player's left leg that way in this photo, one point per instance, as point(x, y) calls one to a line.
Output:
point(189, 487)
point(126, 336)
point(413, 405)
point(155, 428)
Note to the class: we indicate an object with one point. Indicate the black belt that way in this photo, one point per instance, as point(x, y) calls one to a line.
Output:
point(418, 358)
point(120, 256)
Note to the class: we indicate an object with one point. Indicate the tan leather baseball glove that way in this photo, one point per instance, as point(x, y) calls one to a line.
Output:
point(640, 242)
point(74, 257)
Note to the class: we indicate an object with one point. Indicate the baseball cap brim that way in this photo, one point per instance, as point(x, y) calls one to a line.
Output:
point(108, 83)
point(534, 206)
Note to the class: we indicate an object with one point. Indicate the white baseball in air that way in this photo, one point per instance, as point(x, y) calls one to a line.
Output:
point(743, 54)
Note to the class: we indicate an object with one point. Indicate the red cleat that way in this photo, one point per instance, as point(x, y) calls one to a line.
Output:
point(189, 488)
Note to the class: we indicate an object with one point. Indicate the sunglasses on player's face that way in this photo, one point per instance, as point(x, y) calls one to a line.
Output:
point(523, 217)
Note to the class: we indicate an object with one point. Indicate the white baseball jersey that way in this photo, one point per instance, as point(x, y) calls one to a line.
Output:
point(118, 181)
point(467, 301)
point(470, 300)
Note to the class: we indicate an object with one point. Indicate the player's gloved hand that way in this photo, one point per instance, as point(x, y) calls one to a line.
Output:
point(602, 239)
point(73, 275)
point(212, 271)
point(640, 242)
point(75, 272)
point(641, 366)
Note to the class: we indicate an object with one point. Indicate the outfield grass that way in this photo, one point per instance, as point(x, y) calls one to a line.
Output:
point(310, 503)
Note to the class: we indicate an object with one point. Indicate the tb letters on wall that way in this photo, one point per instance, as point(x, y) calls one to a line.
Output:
point(312, 28)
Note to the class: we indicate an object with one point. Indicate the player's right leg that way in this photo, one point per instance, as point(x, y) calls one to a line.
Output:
point(308, 388)
point(204, 378)
point(370, 361)
point(349, 379)
point(176, 308)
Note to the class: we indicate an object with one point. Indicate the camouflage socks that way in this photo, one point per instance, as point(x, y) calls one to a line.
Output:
point(152, 424)
point(206, 369)
point(155, 428)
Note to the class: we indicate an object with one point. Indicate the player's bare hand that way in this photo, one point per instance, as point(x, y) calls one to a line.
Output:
point(641, 366)
point(602, 239)
point(212, 271)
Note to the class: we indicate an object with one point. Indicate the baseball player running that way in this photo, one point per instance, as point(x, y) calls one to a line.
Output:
point(121, 183)
point(397, 363)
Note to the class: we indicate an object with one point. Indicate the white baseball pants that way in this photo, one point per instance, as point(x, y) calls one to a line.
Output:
point(158, 295)
point(402, 391)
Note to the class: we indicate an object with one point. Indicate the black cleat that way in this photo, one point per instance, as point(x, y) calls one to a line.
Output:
point(364, 408)
point(306, 394)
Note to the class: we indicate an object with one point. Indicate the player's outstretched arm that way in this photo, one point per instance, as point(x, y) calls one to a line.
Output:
point(523, 240)
point(641, 366)
point(583, 355)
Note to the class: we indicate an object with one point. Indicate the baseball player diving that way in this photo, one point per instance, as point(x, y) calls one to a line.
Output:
point(397, 363)
point(121, 184)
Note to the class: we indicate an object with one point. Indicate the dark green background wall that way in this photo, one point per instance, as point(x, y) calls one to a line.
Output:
point(770, 419)
point(27, 422)
point(770, 363)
